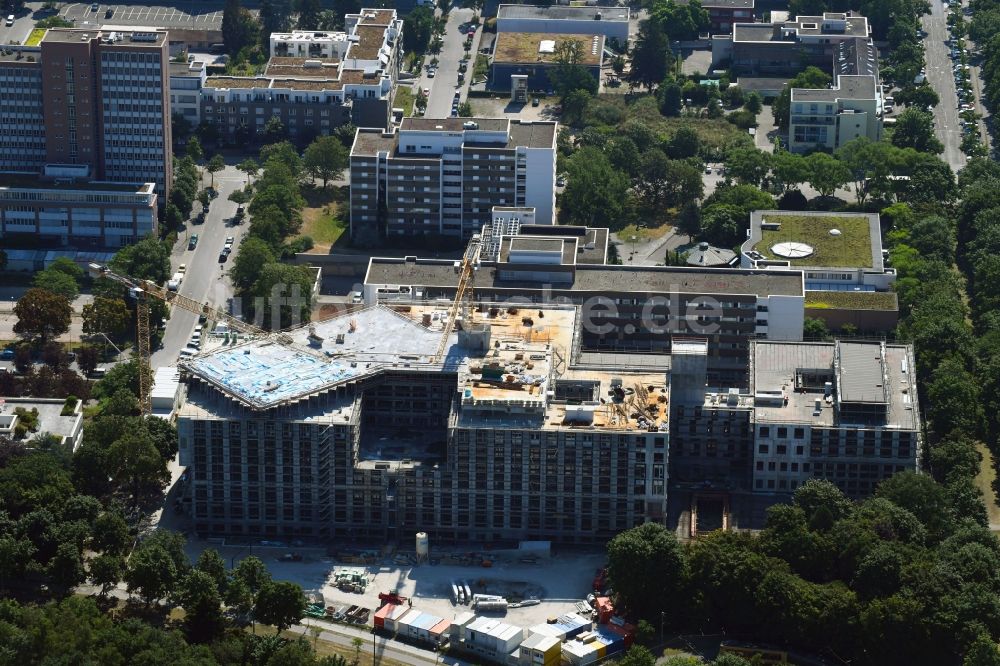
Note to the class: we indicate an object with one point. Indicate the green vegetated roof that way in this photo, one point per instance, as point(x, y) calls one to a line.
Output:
point(852, 248)
point(851, 300)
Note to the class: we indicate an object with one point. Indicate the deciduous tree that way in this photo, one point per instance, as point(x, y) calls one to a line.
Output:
point(42, 314)
point(326, 158)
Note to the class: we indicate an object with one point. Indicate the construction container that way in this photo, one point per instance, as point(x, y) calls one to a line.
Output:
point(540, 650)
point(579, 654)
point(605, 609)
point(402, 624)
point(572, 625)
point(491, 606)
point(492, 639)
point(545, 630)
point(381, 614)
point(458, 625)
point(392, 619)
point(609, 642)
point(439, 632)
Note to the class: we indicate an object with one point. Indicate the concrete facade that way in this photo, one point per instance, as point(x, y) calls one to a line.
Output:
point(445, 176)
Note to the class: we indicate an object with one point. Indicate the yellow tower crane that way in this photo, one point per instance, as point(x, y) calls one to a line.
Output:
point(141, 290)
point(463, 297)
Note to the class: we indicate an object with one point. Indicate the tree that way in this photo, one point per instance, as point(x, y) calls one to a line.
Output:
point(465, 110)
point(61, 277)
point(136, 463)
point(417, 29)
point(275, 16)
point(65, 569)
point(914, 128)
point(982, 652)
point(280, 605)
point(748, 165)
point(921, 96)
point(309, 14)
point(574, 105)
point(274, 130)
point(15, 554)
point(753, 103)
point(87, 358)
point(106, 315)
point(110, 533)
point(648, 549)
point(216, 164)
point(199, 596)
point(285, 292)
point(239, 27)
point(826, 173)
point(250, 167)
point(251, 258)
point(252, 572)
point(788, 170)
point(597, 193)
point(211, 563)
point(149, 259)
point(684, 144)
point(651, 56)
point(637, 655)
point(194, 149)
point(671, 98)
point(151, 573)
point(815, 329)
point(42, 314)
point(818, 495)
point(326, 158)
point(921, 496)
point(569, 75)
point(106, 571)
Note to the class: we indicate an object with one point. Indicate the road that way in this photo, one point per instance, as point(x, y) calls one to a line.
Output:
point(23, 23)
point(205, 279)
point(941, 77)
point(445, 82)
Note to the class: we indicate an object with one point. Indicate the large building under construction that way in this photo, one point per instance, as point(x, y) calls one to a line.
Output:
point(359, 428)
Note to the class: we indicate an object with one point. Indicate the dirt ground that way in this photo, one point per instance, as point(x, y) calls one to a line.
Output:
point(559, 582)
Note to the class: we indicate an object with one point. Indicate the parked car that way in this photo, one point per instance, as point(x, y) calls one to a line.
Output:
point(7, 354)
point(193, 242)
point(229, 241)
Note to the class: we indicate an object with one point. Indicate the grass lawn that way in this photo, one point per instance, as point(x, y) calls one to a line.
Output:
point(320, 219)
point(404, 99)
point(984, 481)
point(35, 38)
point(851, 300)
point(853, 247)
point(642, 234)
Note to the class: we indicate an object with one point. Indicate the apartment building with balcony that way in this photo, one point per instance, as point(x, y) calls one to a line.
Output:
point(186, 82)
point(724, 14)
point(444, 176)
point(314, 82)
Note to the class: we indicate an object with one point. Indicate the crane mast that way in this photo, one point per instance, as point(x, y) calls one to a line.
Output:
point(463, 297)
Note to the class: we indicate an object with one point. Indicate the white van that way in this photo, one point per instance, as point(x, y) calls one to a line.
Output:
point(10, 20)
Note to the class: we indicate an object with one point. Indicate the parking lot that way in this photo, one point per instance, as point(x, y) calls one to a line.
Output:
point(178, 15)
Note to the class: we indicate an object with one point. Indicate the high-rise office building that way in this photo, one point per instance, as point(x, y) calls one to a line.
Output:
point(83, 107)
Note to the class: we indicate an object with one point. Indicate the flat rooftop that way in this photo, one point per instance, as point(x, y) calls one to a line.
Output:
point(857, 245)
point(863, 86)
point(266, 373)
point(327, 68)
point(830, 23)
point(33, 181)
point(527, 47)
point(617, 279)
point(796, 372)
point(50, 418)
point(757, 32)
point(424, 124)
point(134, 38)
point(370, 142)
point(563, 12)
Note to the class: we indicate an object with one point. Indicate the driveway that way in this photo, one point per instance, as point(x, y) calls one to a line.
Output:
point(205, 279)
point(941, 78)
point(445, 82)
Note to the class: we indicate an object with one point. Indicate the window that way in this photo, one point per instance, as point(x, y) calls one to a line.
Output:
point(782, 432)
point(765, 431)
point(800, 433)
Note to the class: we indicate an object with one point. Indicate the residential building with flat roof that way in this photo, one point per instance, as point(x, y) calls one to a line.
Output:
point(186, 81)
point(828, 118)
point(444, 176)
point(54, 418)
point(314, 81)
point(612, 22)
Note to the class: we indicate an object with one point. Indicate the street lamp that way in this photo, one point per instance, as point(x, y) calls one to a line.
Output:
point(232, 560)
point(374, 657)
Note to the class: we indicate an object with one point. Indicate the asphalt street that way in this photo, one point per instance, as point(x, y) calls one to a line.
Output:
point(445, 82)
point(23, 23)
point(941, 77)
point(205, 279)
